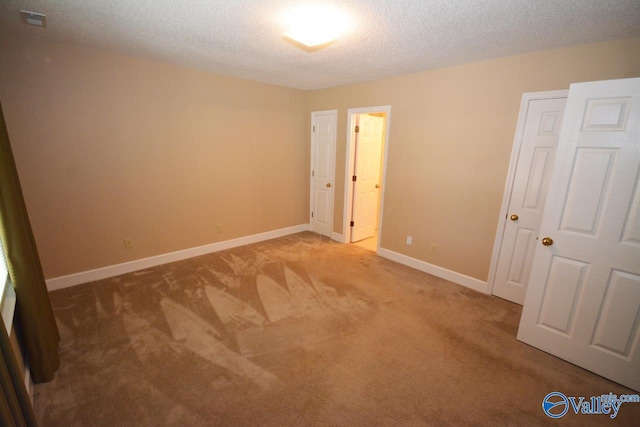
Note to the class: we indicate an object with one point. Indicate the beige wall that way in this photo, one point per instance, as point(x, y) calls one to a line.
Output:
point(450, 142)
point(110, 147)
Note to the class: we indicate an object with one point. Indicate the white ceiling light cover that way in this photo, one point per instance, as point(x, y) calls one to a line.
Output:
point(315, 25)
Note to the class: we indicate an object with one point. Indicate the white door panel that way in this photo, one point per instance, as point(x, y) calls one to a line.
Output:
point(323, 143)
point(367, 171)
point(322, 203)
point(531, 181)
point(583, 301)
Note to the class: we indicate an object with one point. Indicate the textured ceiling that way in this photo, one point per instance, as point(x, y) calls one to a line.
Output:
point(243, 38)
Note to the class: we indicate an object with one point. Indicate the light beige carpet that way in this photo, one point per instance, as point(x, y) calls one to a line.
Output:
point(370, 244)
point(299, 331)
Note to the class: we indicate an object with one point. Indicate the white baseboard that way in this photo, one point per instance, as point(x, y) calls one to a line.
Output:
point(140, 264)
point(338, 237)
point(443, 273)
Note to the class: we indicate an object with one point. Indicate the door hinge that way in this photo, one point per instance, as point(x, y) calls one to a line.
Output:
point(314, 129)
point(354, 178)
point(313, 173)
point(351, 224)
point(311, 214)
point(357, 128)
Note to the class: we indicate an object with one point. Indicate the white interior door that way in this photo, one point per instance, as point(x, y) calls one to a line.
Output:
point(323, 149)
point(530, 185)
point(583, 300)
point(366, 190)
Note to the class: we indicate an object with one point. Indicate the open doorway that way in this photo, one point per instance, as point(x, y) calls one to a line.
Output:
point(367, 142)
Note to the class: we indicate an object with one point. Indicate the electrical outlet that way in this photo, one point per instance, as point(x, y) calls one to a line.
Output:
point(434, 248)
point(128, 243)
point(219, 228)
point(409, 240)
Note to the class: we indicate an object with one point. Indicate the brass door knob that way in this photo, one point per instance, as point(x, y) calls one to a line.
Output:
point(377, 185)
point(547, 241)
point(514, 217)
point(328, 184)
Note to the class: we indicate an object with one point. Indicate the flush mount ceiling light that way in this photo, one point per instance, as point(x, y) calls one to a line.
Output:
point(313, 27)
point(33, 18)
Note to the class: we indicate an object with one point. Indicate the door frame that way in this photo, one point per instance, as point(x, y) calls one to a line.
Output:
point(350, 164)
point(312, 162)
point(527, 97)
